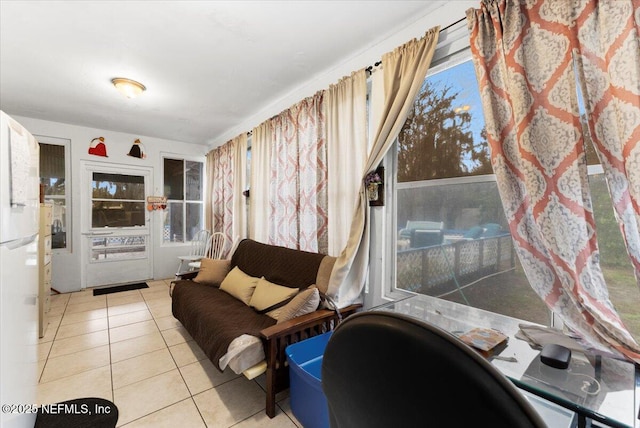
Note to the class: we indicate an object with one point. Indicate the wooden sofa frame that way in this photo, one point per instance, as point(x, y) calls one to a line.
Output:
point(277, 337)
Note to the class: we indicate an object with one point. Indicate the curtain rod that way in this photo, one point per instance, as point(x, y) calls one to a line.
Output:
point(370, 68)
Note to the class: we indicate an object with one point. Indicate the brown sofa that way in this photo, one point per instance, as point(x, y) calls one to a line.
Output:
point(215, 318)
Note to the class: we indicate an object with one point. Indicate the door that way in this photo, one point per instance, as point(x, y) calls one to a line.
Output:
point(116, 229)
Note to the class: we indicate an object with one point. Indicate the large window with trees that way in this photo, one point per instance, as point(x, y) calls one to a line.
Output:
point(452, 239)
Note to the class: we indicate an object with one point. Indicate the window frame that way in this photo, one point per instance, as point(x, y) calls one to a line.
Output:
point(184, 201)
point(66, 142)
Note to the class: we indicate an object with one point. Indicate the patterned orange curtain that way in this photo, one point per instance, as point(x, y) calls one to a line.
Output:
point(298, 182)
point(524, 55)
point(222, 190)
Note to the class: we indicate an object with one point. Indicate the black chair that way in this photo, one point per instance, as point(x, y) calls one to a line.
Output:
point(382, 369)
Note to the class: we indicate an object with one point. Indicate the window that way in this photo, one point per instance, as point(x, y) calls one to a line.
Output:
point(183, 187)
point(54, 170)
point(452, 238)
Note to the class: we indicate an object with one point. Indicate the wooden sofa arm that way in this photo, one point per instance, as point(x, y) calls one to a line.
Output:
point(305, 321)
point(187, 275)
point(277, 337)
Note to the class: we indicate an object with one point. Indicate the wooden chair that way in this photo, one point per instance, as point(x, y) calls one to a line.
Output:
point(215, 249)
point(199, 247)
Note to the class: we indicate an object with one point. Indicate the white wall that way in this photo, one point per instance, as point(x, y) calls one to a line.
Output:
point(443, 14)
point(67, 266)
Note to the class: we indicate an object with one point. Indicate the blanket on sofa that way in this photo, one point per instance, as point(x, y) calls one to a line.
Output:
point(205, 312)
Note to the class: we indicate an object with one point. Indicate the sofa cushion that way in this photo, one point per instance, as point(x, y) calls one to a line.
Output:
point(305, 302)
point(239, 285)
point(280, 265)
point(212, 272)
point(214, 318)
point(268, 294)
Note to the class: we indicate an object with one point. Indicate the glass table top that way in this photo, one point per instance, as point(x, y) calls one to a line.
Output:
point(599, 387)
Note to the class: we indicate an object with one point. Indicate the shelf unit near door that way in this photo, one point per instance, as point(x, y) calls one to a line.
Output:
point(44, 265)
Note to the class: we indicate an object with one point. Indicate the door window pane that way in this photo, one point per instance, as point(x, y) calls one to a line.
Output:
point(117, 186)
point(115, 248)
point(118, 200)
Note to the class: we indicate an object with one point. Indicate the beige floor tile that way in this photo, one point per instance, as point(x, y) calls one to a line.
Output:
point(173, 336)
point(43, 350)
point(84, 327)
point(41, 364)
point(155, 293)
point(203, 375)
point(85, 296)
point(230, 403)
point(164, 301)
point(92, 383)
point(57, 310)
point(141, 367)
point(187, 353)
point(161, 311)
point(182, 414)
point(129, 318)
point(118, 300)
point(79, 343)
point(261, 420)
point(130, 331)
point(157, 283)
point(78, 362)
point(285, 405)
point(84, 316)
point(157, 392)
point(85, 306)
point(262, 381)
point(56, 300)
point(51, 329)
point(137, 346)
point(129, 307)
point(165, 323)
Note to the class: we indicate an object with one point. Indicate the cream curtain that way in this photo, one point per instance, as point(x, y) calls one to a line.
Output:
point(239, 171)
point(404, 71)
point(346, 120)
point(226, 179)
point(259, 207)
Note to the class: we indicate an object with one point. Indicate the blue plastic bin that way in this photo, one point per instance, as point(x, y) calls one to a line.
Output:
point(308, 403)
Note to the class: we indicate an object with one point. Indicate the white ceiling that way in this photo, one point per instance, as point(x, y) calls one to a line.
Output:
point(207, 65)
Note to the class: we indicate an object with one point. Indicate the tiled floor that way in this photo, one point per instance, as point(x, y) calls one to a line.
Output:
point(128, 348)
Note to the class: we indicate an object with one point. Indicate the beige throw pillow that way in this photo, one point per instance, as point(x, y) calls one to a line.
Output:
point(305, 302)
point(268, 294)
point(212, 272)
point(239, 285)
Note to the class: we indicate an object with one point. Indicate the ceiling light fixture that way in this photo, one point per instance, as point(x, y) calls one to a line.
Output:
point(127, 87)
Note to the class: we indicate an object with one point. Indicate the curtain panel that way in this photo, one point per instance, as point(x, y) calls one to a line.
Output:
point(226, 172)
point(524, 54)
point(404, 70)
point(289, 170)
point(346, 121)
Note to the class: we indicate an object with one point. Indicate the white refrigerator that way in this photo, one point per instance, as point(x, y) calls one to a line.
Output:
point(19, 216)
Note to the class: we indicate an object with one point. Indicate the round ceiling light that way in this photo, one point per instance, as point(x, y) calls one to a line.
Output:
point(127, 87)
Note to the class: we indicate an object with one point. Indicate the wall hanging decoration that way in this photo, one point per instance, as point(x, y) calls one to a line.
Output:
point(374, 183)
point(137, 150)
point(156, 203)
point(98, 147)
